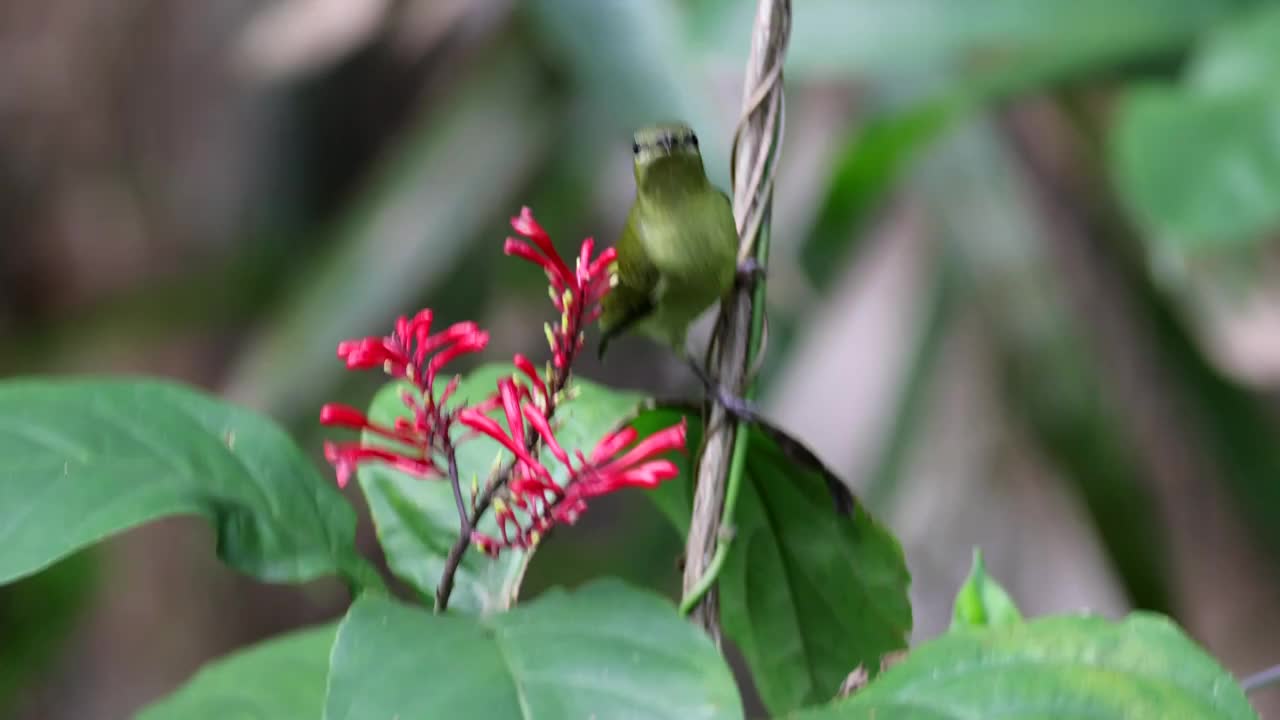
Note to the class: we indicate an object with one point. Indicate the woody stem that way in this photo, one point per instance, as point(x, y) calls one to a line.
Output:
point(496, 482)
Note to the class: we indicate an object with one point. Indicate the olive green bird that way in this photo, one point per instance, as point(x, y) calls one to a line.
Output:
point(678, 251)
point(677, 256)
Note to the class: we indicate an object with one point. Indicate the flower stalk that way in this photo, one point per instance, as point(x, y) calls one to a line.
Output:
point(523, 494)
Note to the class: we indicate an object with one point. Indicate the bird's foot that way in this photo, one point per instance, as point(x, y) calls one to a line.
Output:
point(737, 407)
point(750, 272)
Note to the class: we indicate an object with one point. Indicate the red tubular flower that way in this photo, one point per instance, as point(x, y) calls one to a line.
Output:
point(575, 293)
point(523, 364)
point(533, 502)
point(637, 467)
point(556, 268)
point(404, 352)
point(346, 457)
point(411, 351)
point(482, 424)
point(543, 427)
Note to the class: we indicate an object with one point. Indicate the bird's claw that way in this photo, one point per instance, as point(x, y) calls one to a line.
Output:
point(736, 407)
point(749, 272)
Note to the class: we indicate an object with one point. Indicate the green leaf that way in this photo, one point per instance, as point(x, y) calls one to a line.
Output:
point(280, 679)
point(981, 601)
point(603, 651)
point(629, 61)
point(1018, 288)
point(417, 520)
point(38, 614)
point(865, 172)
point(1143, 668)
point(806, 593)
point(1239, 55)
point(941, 60)
point(930, 44)
point(84, 459)
point(1200, 171)
point(1199, 165)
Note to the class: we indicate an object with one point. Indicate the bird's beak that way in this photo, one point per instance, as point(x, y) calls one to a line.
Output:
point(666, 144)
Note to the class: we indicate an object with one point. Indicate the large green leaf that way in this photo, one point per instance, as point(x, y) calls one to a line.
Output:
point(604, 651)
point(84, 459)
point(280, 679)
point(807, 593)
point(1143, 668)
point(1199, 165)
point(39, 614)
point(417, 520)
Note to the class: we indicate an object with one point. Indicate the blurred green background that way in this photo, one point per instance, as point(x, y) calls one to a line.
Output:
point(1024, 292)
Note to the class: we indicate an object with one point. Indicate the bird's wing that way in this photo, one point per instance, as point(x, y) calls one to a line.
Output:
point(634, 297)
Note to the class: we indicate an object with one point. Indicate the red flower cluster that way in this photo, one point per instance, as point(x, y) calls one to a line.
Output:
point(531, 501)
point(412, 352)
point(576, 294)
point(536, 496)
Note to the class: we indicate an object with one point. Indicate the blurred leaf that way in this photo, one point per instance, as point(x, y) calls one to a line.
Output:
point(807, 594)
point(632, 61)
point(907, 414)
point(1239, 55)
point(281, 678)
point(866, 171)
point(417, 520)
point(38, 613)
point(457, 169)
point(1077, 425)
point(968, 54)
point(981, 601)
point(603, 651)
point(995, 44)
point(1060, 667)
point(1239, 428)
point(86, 459)
point(1200, 165)
point(1200, 172)
point(1233, 429)
point(972, 195)
point(156, 313)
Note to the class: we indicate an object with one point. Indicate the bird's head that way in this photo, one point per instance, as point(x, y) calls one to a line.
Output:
point(666, 150)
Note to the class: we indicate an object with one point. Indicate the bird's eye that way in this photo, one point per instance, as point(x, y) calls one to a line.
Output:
point(691, 139)
point(635, 148)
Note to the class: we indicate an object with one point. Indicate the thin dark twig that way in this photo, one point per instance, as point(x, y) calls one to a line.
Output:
point(463, 519)
point(499, 478)
point(454, 558)
point(1262, 679)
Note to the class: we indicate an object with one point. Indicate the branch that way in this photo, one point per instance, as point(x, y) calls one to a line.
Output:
point(497, 480)
point(452, 455)
point(451, 562)
point(721, 467)
point(1260, 680)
